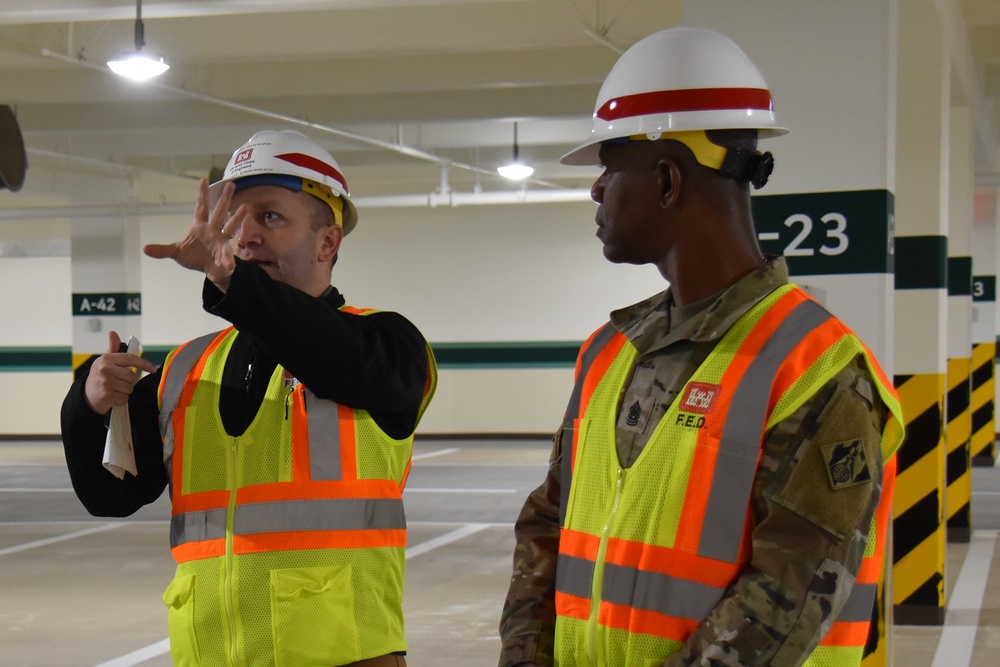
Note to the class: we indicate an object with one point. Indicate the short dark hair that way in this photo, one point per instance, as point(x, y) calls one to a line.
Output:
point(321, 215)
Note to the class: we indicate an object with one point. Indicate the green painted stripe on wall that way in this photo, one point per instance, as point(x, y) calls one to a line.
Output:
point(35, 359)
point(921, 262)
point(543, 354)
point(507, 355)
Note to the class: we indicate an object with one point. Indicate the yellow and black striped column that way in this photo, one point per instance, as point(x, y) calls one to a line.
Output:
point(918, 530)
point(918, 503)
point(983, 439)
point(984, 350)
point(958, 495)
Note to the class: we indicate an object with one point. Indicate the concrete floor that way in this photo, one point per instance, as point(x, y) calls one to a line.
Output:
point(85, 592)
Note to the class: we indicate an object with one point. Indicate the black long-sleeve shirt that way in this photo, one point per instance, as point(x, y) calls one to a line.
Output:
point(375, 362)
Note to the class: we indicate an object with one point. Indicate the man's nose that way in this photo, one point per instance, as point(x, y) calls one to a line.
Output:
point(597, 190)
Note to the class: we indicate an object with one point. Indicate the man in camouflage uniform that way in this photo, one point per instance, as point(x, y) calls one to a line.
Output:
point(810, 514)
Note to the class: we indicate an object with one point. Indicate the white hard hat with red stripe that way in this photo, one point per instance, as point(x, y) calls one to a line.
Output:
point(292, 160)
point(678, 80)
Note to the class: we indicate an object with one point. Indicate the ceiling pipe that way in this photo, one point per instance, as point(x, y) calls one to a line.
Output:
point(433, 200)
point(408, 151)
point(602, 38)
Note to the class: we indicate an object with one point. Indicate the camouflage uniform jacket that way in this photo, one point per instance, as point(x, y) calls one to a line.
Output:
point(800, 574)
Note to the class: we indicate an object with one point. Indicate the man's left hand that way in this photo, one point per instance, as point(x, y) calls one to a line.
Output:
point(208, 246)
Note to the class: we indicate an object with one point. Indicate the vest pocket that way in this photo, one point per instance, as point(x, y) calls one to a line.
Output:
point(312, 616)
point(179, 598)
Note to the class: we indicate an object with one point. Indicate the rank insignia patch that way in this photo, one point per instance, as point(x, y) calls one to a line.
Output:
point(846, 464)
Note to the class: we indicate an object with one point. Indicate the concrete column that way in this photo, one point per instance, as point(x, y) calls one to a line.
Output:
point(105, 257)
point(921, 313)
point(984, 325)
point(958, 468)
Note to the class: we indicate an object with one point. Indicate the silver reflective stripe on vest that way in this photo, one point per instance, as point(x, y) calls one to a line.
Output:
point(290, 515)
point(860, 604)
point(324, 438)
point(336, 514)
point(632, 587)
point(574, 575)
point(658, 592)
point(197, 526)
point(722, 528)
point(180, 366)
point(597, 344)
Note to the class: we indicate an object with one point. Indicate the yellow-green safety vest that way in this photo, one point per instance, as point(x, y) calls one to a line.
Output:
point(645, 553)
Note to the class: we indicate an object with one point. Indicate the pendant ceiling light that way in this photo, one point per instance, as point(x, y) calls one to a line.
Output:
point(515, 171)
point(136, 65)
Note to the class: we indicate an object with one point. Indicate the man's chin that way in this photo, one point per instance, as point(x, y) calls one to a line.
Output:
point(615, 257)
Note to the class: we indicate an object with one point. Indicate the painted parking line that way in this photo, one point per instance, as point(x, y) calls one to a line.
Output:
point(33, 489)
point(958, 637)
point(436, 452)
point(142, 655)
point(449, 537)
point(60, 538)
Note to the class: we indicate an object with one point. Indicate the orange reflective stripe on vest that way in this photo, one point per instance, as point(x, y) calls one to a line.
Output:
point(596, 355)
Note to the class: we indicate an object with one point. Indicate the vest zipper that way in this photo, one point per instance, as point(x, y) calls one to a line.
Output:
point(229, 595)
point(247, 391)
point(593, 643)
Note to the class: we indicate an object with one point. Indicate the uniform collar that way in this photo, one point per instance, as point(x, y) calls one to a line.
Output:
point(645, 324)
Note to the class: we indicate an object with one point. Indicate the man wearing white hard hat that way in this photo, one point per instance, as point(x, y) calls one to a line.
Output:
point(284, 439)
point(719, 488)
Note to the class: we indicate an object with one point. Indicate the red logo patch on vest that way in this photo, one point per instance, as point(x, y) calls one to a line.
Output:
point(700, 397)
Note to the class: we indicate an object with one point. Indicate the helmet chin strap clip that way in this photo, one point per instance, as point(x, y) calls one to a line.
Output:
point(746, 165)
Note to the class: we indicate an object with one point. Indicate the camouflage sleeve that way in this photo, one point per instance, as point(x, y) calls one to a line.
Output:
point(809, 537)
point(527, 624)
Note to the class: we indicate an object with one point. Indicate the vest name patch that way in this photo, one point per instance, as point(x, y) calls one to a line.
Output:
point(846, 464)
point(700, 397)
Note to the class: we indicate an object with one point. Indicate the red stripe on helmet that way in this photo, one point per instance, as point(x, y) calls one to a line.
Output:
point(691, 99)
point(309, 162)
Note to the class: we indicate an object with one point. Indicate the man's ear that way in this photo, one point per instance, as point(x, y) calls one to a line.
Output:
point(668, 178)
point(329, 242)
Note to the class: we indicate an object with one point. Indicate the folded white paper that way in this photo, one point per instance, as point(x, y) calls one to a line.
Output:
point(119, 455)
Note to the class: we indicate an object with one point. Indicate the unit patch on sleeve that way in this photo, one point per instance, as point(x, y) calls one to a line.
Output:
point(846, 464)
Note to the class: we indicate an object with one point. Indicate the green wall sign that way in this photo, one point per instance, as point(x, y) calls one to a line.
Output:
point(984, 288)
point(99, 304)
point(828, 232)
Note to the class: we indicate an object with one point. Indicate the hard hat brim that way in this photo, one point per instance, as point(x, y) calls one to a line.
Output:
point(586, 154)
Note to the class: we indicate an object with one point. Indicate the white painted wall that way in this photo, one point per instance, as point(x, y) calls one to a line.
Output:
point(467, 274)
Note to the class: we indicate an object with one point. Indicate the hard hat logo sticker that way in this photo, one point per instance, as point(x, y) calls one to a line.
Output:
point(243, 156)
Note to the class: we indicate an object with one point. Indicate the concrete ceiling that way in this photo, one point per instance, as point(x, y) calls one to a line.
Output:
point(447, 77)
